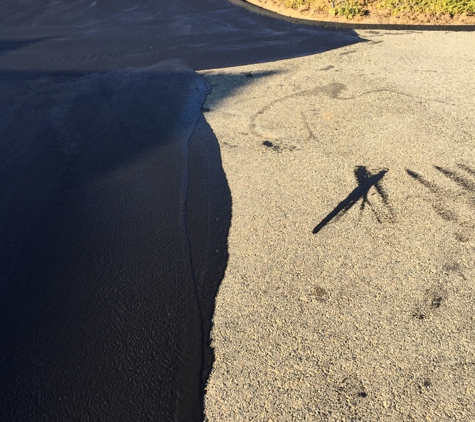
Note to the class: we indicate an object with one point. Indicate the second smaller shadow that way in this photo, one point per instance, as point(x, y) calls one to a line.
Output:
point(365, 180)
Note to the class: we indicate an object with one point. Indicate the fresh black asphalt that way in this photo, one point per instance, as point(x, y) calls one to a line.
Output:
point(114, 207)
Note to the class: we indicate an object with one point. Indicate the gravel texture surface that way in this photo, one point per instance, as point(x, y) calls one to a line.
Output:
point(349, 293)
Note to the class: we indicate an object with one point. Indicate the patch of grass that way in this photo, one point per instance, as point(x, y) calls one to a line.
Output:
point(318, 5)
point(451, 7)
point(352, 8)
point(348, 8)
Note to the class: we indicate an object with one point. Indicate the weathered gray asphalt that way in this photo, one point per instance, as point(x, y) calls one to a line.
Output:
point(349, 293)
point(115, 210)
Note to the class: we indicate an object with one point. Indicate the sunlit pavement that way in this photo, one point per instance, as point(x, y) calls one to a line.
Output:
point(349, 290)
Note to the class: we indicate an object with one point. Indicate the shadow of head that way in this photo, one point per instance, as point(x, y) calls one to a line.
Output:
point(366, 179)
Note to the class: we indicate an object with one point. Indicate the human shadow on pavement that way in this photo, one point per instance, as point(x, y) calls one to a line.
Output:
point(365, 180)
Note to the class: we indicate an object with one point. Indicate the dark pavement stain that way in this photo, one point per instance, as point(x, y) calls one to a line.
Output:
point(269, 144)
point(278, 148)
point(451, 267)
point(326, 68)
point(351, 392)
point(424, 385)
point(436, 301)
point(462, 237)
point(227, 144)
point(319, 293)
point(332, 90)
point(431, 301)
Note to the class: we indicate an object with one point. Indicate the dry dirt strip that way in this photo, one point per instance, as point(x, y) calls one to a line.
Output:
point(349, 293)
point(372, 17)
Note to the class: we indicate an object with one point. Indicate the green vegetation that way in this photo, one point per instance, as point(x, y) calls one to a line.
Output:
point(451, 7)
point(348, 8)
point(352, 8)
